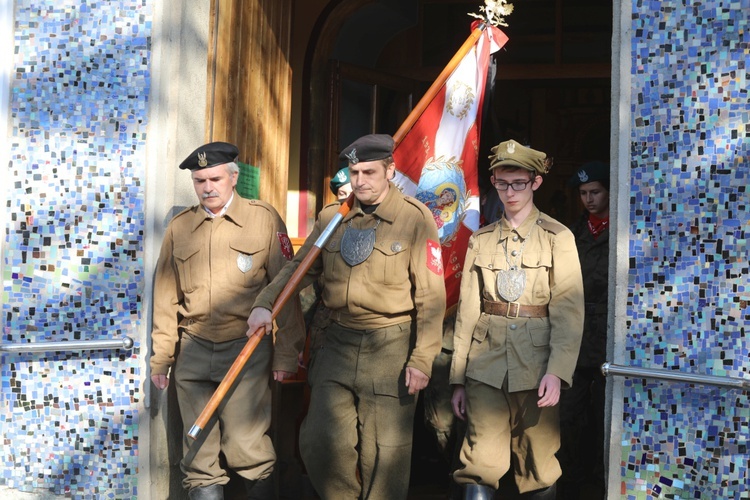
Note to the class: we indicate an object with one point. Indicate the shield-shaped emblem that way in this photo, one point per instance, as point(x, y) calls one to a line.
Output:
point(244, 262)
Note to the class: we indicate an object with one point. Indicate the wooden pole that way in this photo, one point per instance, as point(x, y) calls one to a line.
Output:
point(281, 300)
point(314, 252)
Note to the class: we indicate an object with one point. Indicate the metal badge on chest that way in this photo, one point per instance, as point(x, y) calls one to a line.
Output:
point(357, 244)
point(511, 282)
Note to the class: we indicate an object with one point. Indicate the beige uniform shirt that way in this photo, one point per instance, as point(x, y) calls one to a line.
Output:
point(209, 273)
point(401, 280)
point(487, 347)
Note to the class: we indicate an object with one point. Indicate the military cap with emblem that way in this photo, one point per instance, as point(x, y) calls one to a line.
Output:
point(210, 155)
point(338, 180)
point(512, 153)
point(591, 172)
point(370, 147)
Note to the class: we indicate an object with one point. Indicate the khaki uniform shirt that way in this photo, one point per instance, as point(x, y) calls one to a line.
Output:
point(209, 273)
point(401, 280)
point(487, 347)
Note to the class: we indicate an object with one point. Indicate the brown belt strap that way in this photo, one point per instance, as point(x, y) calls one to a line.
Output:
point(514, 309)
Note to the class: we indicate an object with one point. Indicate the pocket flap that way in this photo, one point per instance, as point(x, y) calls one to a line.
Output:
point(185, 252)
point(483, 326)
point(537, 259)
point(391, 246)
point(248, 246)
point(394, 387)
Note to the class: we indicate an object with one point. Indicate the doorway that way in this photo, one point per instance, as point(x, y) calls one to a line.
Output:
point(551, 91)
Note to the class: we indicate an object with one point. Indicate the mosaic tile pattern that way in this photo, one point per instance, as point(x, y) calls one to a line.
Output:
point(688, 284)
point(73, 248)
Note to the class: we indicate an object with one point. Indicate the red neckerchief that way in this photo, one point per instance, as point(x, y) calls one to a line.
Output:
point(597, 225)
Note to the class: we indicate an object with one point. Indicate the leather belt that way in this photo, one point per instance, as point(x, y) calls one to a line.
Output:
point(514, 309)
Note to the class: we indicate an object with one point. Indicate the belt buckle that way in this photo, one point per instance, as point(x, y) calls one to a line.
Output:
point(518, 310)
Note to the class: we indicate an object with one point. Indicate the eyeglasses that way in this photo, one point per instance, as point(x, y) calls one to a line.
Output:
point(516, 185)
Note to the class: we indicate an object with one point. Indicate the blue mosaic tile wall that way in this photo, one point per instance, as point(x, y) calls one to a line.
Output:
point(688, 287)
point(73, 246)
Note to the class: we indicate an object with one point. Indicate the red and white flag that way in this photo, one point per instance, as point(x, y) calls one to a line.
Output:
point(436, 160)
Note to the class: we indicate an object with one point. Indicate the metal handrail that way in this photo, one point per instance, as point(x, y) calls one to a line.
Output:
point(638, 372)
point(125, 343)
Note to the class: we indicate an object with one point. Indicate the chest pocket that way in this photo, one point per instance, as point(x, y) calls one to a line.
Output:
point(187, 259)
point(390, 259)
point(487, 266)
point(246, 264)
point(333, 263)
point(538, 265)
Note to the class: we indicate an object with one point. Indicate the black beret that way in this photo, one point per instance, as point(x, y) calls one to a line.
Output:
point(209, 155)
point(368, 148)
point(591, 172)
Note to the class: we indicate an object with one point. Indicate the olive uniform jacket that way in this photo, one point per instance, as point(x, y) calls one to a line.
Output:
point(209, 273)
point(488, 348)
point(401, 280)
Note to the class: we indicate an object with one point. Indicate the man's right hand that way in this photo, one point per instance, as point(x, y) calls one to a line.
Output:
point(161, 381)
point(458, 401)
point(260, 317)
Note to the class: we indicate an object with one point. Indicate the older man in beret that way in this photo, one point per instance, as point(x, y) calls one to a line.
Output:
point(215, 258)
point(517, 333)
point(382, 278)
point(582, 407)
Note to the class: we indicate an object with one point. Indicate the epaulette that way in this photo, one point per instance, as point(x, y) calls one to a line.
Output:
point(487, 229)
point(550, 225)
point(259, 203)
point(336, 204)
point(415, 202)
point(184, 211)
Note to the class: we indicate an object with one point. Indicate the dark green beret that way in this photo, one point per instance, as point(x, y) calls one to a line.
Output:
point(591, 172)
point(210, 155)
point(368, 148)
point(338, 180)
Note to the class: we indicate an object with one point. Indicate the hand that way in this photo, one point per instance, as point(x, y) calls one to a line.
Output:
point(458, 401)
point(281, 375)
point(259, 317)
point(549, 391)
point(160, 381)
point(415, 380)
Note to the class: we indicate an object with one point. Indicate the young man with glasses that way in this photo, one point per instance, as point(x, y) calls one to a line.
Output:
point(517, 334)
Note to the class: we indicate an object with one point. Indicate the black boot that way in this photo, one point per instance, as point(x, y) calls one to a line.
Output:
point(548, 493)
point(478, 492)
point(262, 489)
point(212, 492)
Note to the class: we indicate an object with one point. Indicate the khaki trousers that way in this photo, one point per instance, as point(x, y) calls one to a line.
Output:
point(360, 415)
point(244, 416)
point(505, 428)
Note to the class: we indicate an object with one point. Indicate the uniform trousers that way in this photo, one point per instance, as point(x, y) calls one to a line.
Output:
point(360, 416)
point(508, 428)
point(242, 420)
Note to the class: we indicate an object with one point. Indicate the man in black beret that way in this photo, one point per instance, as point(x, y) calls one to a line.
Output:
point(215, 258)
point(382, 279)
point(582, 406)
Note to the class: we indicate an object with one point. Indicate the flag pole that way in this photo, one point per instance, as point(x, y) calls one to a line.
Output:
point(304, 266)
point(281, 300)
point(438, 84)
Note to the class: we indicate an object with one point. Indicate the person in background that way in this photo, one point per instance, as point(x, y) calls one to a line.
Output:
point(382, 278)
point(341, 186)
point(517, 334)
point(215, 258)
point(582, 407)
point(317, 316)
